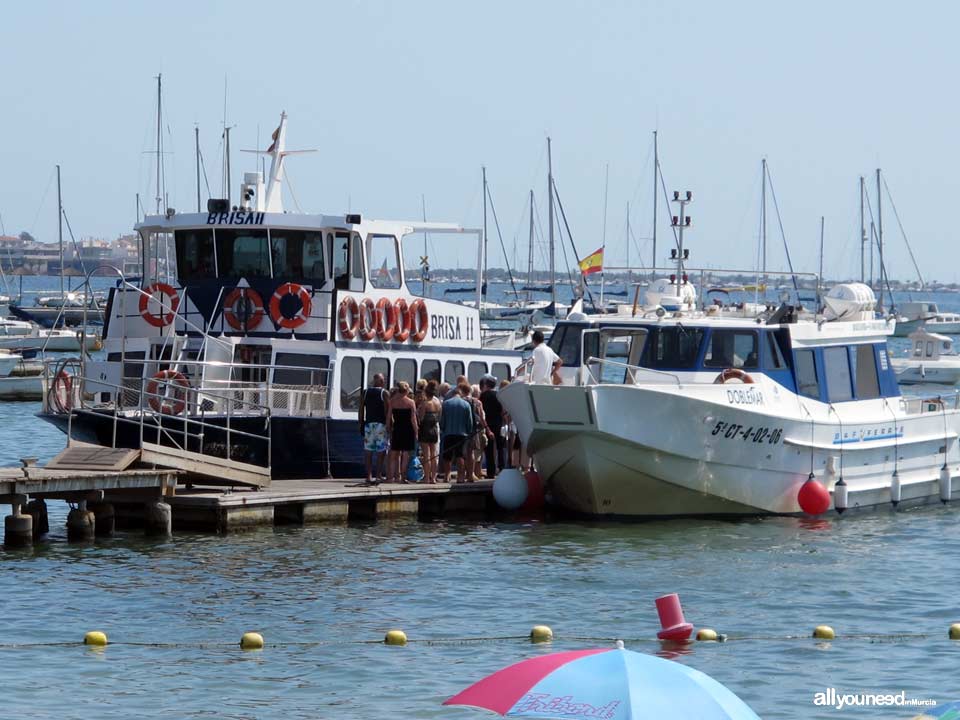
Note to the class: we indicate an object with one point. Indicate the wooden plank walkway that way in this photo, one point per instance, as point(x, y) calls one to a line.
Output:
point(76, 485)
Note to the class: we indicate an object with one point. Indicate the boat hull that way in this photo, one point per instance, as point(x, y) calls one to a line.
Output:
point(611, 450)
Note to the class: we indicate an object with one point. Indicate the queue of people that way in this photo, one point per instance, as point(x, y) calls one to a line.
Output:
point(456, 433)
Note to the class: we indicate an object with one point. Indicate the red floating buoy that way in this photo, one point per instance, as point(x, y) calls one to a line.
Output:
point(675, 627)
point(813, 497)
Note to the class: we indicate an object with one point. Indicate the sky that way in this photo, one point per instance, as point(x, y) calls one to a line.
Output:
point(405, 101)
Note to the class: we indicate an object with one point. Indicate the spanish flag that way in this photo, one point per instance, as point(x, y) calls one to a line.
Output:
point(592, 263)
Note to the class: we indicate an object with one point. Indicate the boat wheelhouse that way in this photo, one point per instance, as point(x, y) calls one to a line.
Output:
point(244, 350)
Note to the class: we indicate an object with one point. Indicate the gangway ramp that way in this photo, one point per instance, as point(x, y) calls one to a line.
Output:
point(204, 465)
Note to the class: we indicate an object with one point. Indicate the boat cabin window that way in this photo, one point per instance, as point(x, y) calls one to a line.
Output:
point(378, 365)
point(929, 348)
point(351, 383)
point(340, 259)
point(195, 257)
point(430, 370)
point(808, 383)
point(297, 254)
point(501, 371)
point(836, 369)
point(405, 370)
point(300, 369)
point(242, 253)
point(865, 377)
point(774, 359)
point(452, 370)
point(356, 258)
point(475, 371)
point(246, 355)
point(565, 342)
point(732, 349)
point(674, 348)
point(383, 261)
point(918, 349)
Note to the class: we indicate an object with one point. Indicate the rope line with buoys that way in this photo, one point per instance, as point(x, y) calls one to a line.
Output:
point(280, 310)
point(168, 310)
point(537, 635)
point(163, 402)
point(243, 309)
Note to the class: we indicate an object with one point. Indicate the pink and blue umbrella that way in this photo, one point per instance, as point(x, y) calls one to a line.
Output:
point(604, 684)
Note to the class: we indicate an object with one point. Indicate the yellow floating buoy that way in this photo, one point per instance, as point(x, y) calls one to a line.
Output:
point(824, 632)
point(955, 631)
point(95, 638)
point(395, 637)
point(251, 641)
point(707, 635)
point(541, 634)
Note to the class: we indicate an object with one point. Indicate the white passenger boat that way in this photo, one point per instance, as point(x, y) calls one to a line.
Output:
point(19, 379)
point(915, 315)
point(932, 360)
point(253, 358)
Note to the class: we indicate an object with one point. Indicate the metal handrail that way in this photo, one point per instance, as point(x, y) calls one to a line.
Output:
point(634, 368)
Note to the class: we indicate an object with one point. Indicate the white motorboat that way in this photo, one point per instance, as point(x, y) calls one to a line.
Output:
point(672, 411)
point(26, 336)
point(914, 315)
point(685, 415)
point(932, 359)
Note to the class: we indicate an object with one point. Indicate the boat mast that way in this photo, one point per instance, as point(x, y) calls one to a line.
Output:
point(883, 271)
point(820, 273)
point(60, 229)
point(159, 151)
point(483, 280)
point(629, 274)
point(226, 134)
point(196, 135)
point(425, 260)
point(606, 188)
point(656, 171)
point(763, 221)
point(553, 279)
point(530, 251)
point(863, 236)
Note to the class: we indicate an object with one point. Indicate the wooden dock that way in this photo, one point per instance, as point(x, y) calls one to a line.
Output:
point(301, 502)
point(110, 488)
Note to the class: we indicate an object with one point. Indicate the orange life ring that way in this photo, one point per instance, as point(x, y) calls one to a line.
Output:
point(243, 307)
point(164, 318)
point(348, 306)
point(401, 328)
point(165, 403)
point(301, 316)
point(368, 319)
point(733, 374)
point(62, 391)
point(386, 319)
point(419, 319)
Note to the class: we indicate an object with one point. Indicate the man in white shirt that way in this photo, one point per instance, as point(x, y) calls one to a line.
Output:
point(545, 361)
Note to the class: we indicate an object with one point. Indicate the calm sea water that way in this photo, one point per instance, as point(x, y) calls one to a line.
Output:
point(323, 596)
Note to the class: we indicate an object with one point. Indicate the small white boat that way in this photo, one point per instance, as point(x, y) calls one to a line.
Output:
point(914, 315)
point(48, 340)
point(19, 380)
point(932, 360)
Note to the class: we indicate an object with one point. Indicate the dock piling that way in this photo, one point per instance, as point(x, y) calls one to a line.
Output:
point(37, 509)
point(17, 528)
point(157, 518)
point(81, 523)
point(105, 519)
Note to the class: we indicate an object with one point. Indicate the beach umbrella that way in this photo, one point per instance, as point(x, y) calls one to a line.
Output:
point(609, 684)
point(950, 711)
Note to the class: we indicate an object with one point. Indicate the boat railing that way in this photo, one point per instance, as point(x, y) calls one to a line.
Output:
point(920, 404)
point(631, 375)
